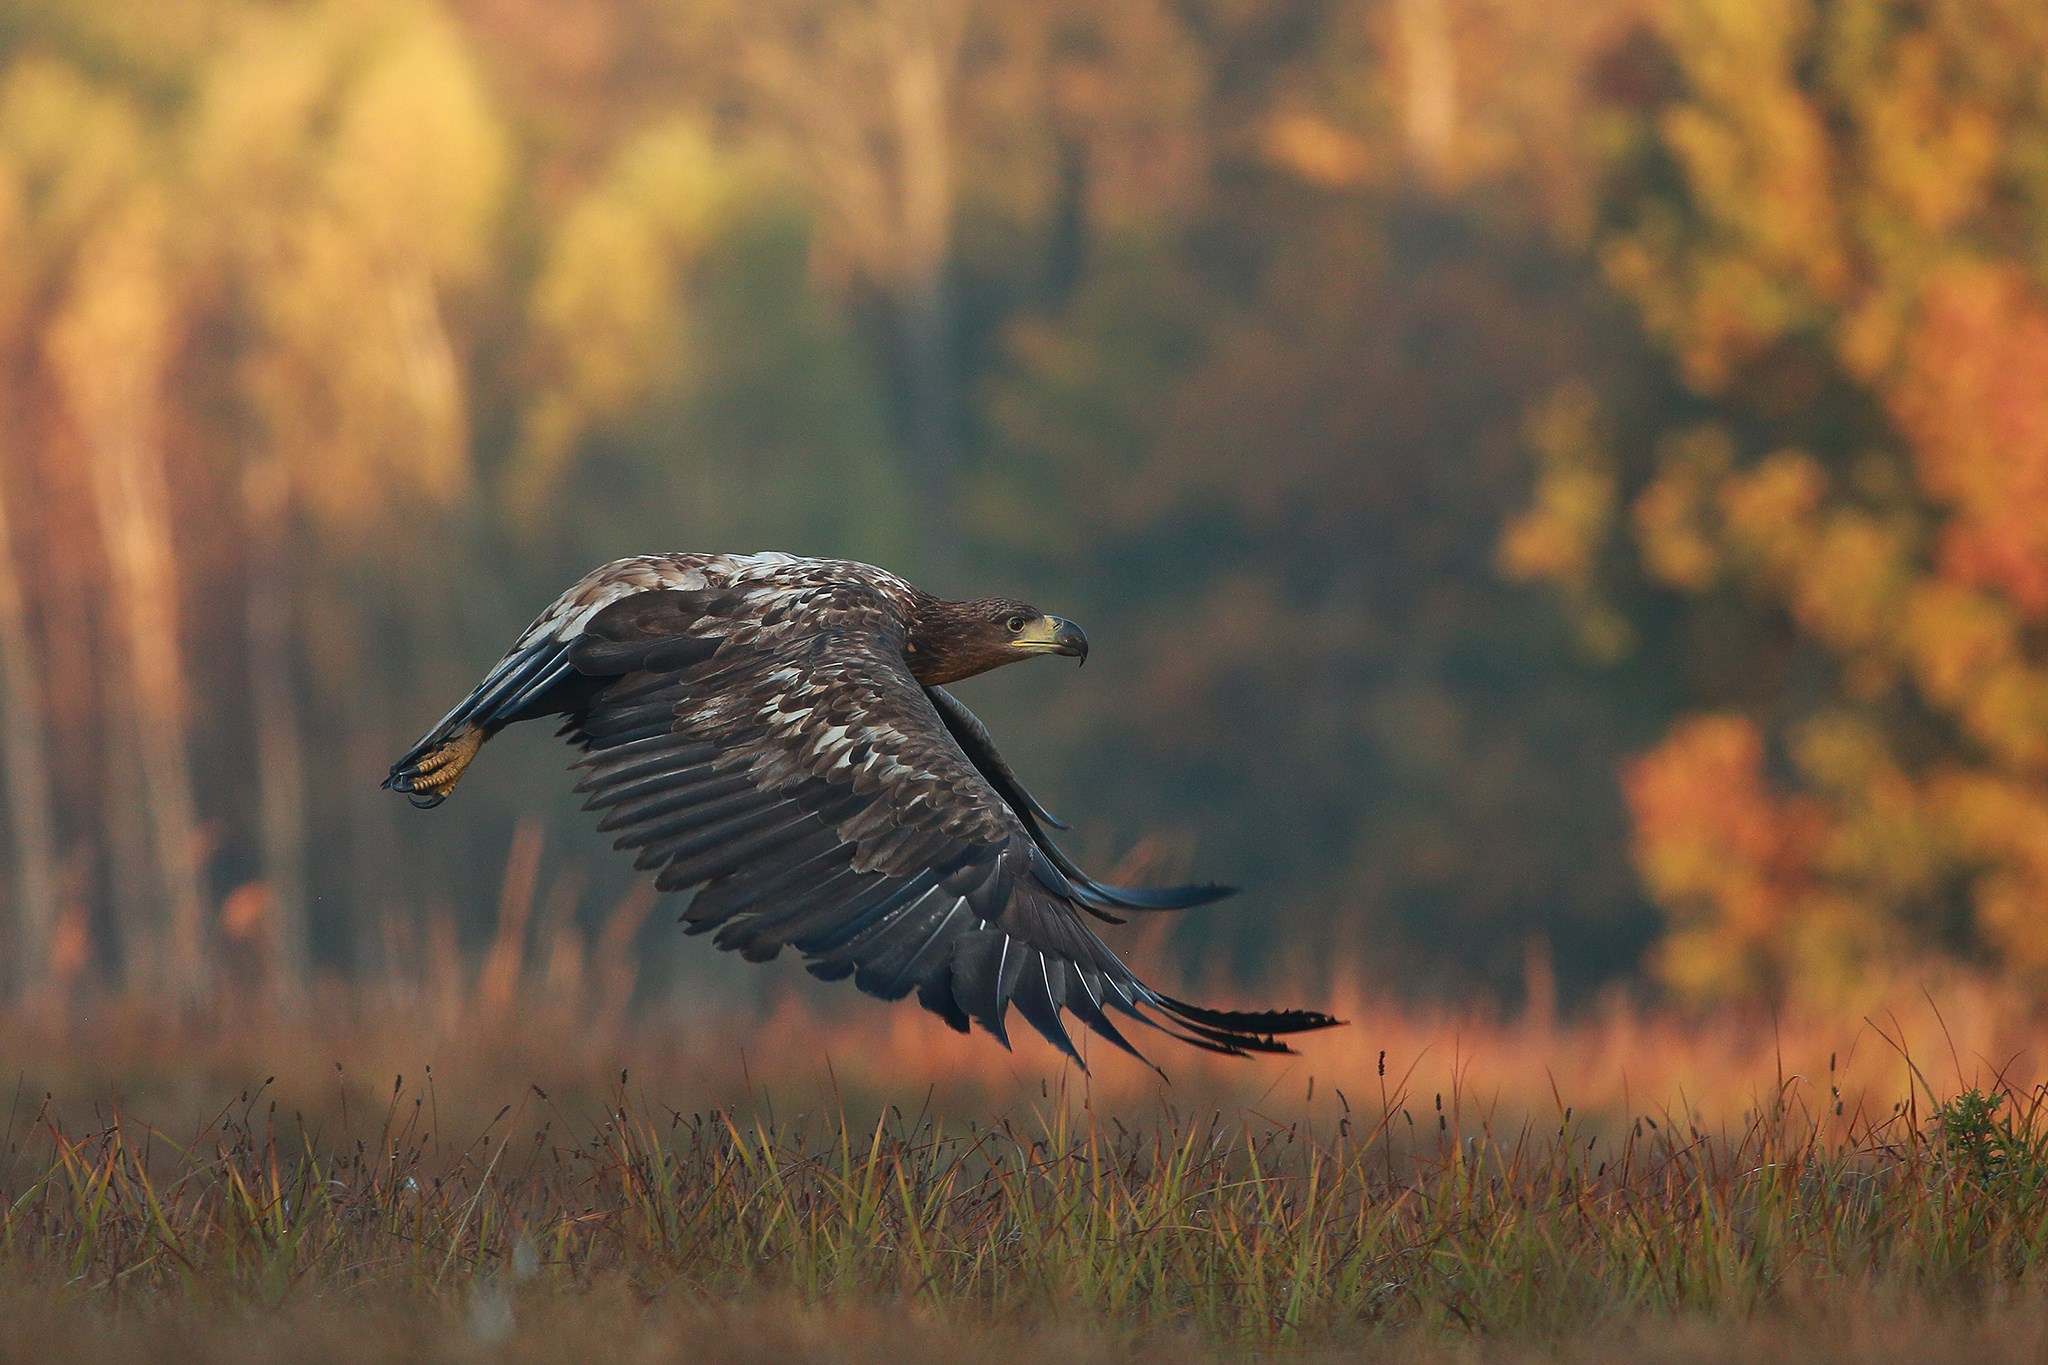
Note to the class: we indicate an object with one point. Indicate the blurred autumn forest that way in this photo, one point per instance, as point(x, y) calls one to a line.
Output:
point(1546, 483)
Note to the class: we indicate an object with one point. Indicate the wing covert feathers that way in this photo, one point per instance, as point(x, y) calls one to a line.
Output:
point(751, 733)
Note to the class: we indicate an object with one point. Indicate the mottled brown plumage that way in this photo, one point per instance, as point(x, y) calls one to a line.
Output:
point(773, 734)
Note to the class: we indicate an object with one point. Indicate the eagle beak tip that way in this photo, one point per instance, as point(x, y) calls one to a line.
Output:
point(1068, 639)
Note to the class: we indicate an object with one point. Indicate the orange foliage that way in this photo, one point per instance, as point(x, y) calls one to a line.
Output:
point(1732, 859)
point(1854, 518)
point(1975, 407)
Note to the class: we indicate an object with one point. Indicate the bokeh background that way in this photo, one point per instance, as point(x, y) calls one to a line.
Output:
point(1559, 493)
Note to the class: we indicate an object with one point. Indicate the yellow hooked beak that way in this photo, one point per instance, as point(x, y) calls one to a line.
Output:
point(1052, 635)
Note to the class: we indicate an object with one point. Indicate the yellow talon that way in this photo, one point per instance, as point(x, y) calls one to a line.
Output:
point(440, 770)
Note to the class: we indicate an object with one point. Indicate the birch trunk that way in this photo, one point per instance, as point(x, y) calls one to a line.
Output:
point(280, 748)
point(30, 818)
point(1430, 94)
point(923, 56)
point(866, 92)
point(110, 350)
point(138, 936)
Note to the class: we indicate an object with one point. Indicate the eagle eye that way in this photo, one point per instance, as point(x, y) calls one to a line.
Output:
point(1015, 624)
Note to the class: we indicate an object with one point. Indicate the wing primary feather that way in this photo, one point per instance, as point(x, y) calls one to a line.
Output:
point(718, 860)
point(635, 688)
point(619, 762)
point(486, 705)
point(1087, 1007)
point(705, 825)
point(757, 941)
point(797, 917)
point(1035, 1000)
point(936, 993)
point(1102, 895)
point(699, 839)
point(660, 779)
point(1237, 1044)
point(979, 961)
point(864, 914)
point(1052, 879)
point(980, 748)
point(511, 676)
point(631, 720)
point(725, 898)
point(898, 983)
point(882, 955)
point(508, 707)
point(687, 795)
point(792, 855)
point(1267, 1022)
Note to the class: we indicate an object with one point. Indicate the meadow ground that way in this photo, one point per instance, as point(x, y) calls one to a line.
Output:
point(458, 1171)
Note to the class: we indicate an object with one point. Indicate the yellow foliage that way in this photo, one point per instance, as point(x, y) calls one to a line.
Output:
point(362, 171)
point(1881, 839)
point(1761, 171)
point(1559, 536)
point(2000, 827)
point(1928, 153)
point(607, 311)
point(1852, 239)
point(1575, 492)
point(1770, 509)
point(85, 149)
point(1674, 516)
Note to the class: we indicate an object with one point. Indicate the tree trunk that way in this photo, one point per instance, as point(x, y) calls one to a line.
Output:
point(137, 938)
point(1429, 62)
point(924, 41)
point(110, 350)
point(376, 850)
point(867, 93)
point(30, 817)
point(280, 749)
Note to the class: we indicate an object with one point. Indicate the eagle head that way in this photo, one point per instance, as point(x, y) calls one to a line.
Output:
point(949, 641)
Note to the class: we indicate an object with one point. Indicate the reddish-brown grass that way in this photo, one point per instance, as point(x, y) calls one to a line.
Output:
point(461, 1167)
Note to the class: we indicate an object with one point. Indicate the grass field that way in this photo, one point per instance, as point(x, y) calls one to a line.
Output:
point(450, 1173)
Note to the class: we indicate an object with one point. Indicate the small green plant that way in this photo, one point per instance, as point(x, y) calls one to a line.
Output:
point(1987, 1136)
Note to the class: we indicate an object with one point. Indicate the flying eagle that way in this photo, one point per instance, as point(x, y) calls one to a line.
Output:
point(775, 733)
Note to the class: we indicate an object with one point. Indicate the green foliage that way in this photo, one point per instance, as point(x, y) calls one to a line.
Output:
point(1991, 1138)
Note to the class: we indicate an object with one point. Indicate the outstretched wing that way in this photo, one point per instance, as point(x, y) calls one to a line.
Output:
point(770, 749)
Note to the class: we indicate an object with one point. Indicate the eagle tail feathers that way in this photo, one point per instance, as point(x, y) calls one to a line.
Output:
point(1242, 1031)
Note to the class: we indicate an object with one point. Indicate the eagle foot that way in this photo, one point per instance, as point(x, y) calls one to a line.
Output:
point(429, 780)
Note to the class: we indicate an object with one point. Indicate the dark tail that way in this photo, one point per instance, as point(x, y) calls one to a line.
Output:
point(1238, 1032)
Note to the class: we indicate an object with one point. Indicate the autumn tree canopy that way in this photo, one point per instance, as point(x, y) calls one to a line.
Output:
point(1544, 484)
point(1829, 521)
